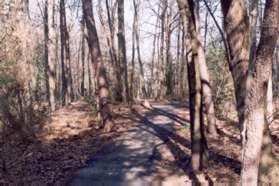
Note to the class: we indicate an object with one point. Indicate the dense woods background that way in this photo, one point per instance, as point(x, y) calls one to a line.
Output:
point(218, 58)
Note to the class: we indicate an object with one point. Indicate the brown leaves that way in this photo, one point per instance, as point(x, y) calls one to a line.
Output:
point(64, 143)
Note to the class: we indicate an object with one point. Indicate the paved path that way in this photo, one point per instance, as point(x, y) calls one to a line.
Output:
point(141, 156)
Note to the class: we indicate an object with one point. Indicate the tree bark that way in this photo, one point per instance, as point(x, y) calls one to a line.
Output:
point(198, 141)
point(66, 78)
point(82, 57)
point(161, 61)
point(122, 58)
point(156, 63)
point(50, 51)
point(184, 60)
point(178, 60)
point(206, 85)
point(253, 29)
point(269, 101)
point(168, 60)
point(102, 88)
point(236, 25)
point(255, 103)
point(132, 74)
point(115, 62)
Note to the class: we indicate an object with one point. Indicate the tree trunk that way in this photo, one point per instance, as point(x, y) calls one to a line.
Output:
point(122, 58)
point(268, 168)
point(90, 83)
point(161, 61)
point(254, 122)
point(206, 85)
point(132, 74)
point(155, 60)
point(82, 57)
point(97, 61)
point(205, 30)
point(236, 25)
point(178, 61)
point(117, 70)
point(184, 61)
point(136, 25)
point(50, 50)
point(253, 29)
point(168, 60)
point(277, 67)
point(70, 88)
point(153, 79)
point(64, 68)
point(269, 101)
point(198, 142)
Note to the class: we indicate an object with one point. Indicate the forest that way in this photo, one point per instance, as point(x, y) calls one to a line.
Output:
point(139, 92)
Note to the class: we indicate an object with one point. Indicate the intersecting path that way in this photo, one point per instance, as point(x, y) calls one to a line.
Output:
point(140, 156)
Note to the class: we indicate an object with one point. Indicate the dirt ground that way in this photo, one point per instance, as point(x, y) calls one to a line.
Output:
point(156, 141)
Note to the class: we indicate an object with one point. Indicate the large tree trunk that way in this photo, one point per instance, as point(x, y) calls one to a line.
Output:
point(236, 25)
point(122, 58)
point(97, 61)
point(254, 122)
point(198, 142)
point(50, 51)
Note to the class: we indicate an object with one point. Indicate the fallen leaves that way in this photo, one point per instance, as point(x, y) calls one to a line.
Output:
point(64, 143)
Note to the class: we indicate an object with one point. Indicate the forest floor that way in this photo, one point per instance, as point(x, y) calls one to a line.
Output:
point(145, 146)
point(155, 149)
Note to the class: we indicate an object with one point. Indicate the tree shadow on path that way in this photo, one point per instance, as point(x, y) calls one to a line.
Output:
point(173, 141)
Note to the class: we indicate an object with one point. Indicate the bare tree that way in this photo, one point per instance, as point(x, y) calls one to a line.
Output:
point(161, 61)
point(137, 38)
point(67, 85)
point(122, 58)
point(102, 88)
point(82, 56)
point(206, 84)
point(50, 51)
point(198, 141)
